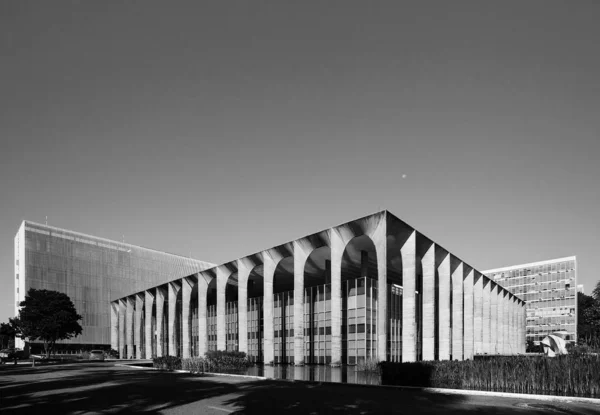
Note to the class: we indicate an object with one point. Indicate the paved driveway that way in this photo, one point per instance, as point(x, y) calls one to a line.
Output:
point(105, 388)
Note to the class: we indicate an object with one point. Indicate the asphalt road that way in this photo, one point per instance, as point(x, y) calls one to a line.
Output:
point(106, 388)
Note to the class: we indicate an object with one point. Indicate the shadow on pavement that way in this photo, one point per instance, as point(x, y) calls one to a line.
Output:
point(124, 390)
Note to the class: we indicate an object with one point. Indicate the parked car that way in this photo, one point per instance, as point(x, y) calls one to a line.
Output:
point(97, 355)
point(9, 355)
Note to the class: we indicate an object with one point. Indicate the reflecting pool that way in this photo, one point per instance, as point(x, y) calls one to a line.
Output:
point(316, 373)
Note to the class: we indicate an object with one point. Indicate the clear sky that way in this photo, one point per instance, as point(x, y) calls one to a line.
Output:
point(217, 129)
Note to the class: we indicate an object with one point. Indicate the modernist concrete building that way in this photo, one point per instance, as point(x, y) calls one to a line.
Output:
point(370, 288)
point(550, 290)
point(92, 271)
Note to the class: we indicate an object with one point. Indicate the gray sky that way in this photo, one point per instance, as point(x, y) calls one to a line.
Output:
point(218, 129)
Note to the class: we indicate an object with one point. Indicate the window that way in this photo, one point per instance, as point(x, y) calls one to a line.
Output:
point(17, 276)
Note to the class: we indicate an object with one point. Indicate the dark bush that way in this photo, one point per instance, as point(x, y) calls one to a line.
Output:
point(570, 375)
point(217, 361)
point(167, 363)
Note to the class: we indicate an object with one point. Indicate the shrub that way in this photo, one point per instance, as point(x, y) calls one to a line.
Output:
point(216, 361)
point(226, 360)
point(569, 375)
point(167, 363)
point(368, 365)
point(194, 364)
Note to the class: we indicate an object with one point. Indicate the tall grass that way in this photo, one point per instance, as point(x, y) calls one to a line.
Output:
point(570, 375)
point(167, 363)
point(213, 361)
point(368, 365)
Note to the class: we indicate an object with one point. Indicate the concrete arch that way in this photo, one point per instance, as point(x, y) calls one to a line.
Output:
point(271, 259)
point(374, 227)
point(206, 280)
point(188, 287)
point(245, 267)
point(224, 272)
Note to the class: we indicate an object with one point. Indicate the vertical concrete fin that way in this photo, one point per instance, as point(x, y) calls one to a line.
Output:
point(187, 285)
point(301, 253)
point(457, 313)
point(337, 250)
point(468, 322)
point(408, 252)
point(269, 272)
point(149, 335)
point(443, 270)
point(428, 264)
point(486, 312)
point(478, 313)
point(494, 319)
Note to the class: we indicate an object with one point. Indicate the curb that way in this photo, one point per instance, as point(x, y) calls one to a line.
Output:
point(204, 373)
point(442, 391)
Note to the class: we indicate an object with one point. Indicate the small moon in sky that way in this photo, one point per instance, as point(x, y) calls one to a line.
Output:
point(404, 176)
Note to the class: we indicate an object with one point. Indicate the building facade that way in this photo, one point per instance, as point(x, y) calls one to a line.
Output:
point(92, 271)
point(372, 288)
point(550, 290)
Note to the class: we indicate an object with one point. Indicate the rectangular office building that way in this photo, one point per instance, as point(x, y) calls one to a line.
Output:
point(549, 289)
point(92, 271)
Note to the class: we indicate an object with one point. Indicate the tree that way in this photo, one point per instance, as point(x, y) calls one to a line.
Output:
point(46, 316)
point(596, 292)
point(588, 320)
point(7, 332)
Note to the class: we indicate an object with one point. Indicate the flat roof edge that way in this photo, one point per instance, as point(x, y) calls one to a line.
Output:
point(531, 264)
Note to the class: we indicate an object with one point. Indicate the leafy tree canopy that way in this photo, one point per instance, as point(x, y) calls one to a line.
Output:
point(588, 320)
point(7, 332)
point(47, 316)
point(596, 291)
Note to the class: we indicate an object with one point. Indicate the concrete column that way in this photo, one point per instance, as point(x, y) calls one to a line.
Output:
point(500, 324)
point(149, 335)
point(222, 277)
point(494, 319)
point(244, 269)
point(485, 321)
point(514, 326)
point(114, 325)
point(505, 325)
point(380, 241)
point(186, 296)
point(160, 304)
point(523, 328)
point(511, 329)
point(444, 308)
point(408, 252)
point(469, 338)
point(173, 291)
point(203, 281)
point(478, 313)
point(428, 265)
point(337, 250)
point(129, 328)
point(137, 333)
point(269, 272)
point(122, 334)
point(301, 254)
point(457, 313)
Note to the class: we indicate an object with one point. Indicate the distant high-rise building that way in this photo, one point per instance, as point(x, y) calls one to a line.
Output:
point(549, 290)
point(580, 289)
point(92, 271)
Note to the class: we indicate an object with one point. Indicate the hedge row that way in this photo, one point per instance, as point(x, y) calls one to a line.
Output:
point(570, 375)
point(214, 361)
